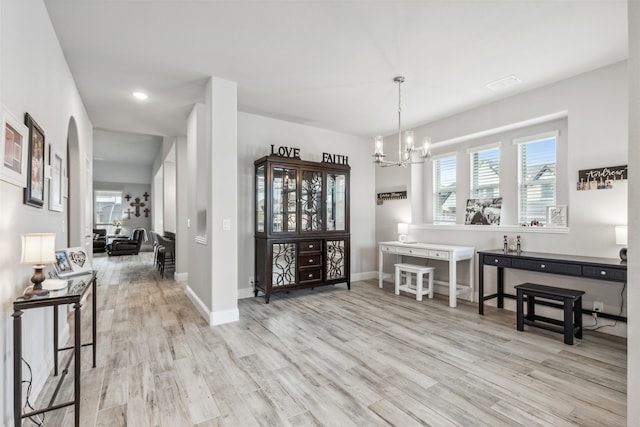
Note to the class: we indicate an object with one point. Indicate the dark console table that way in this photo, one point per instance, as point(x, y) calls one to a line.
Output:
point(77, 288)
point(606, 269)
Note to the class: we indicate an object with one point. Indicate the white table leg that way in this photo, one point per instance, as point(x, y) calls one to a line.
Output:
point(452, 283)
point(380, 268)
point(471, 279)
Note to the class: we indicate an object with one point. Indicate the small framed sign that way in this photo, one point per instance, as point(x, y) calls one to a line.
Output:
point(557, 216)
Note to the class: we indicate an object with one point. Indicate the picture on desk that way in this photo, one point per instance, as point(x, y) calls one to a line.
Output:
point(483, 211)
point(79, 260)
point(62, 266)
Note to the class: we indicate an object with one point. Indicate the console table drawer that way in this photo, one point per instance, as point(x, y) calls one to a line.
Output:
point(548, 267)
point(310, 275)
point(439, 254)
point(309, 260)
point(310, 246)
point(498, 261)
point(605, 273)
point(412, 251)
point(385, 248)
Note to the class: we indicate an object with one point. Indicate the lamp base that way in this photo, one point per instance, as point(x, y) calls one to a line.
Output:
point(36, 292)
point(623, 254)
point(37, 279)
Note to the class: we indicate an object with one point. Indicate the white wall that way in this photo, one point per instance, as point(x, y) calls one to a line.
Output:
point(596, 104)
point(255, 136)
point(34, 78)
point(104, 171)
point(633, 367)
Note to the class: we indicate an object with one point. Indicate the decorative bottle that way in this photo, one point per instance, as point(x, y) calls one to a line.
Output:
point(518, 248)
point(506, 244)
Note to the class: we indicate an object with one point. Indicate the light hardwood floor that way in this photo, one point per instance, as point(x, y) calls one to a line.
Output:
point(329, 356)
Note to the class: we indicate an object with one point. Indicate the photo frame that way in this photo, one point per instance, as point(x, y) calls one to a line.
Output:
point(13, 160)
point(62, 265)
point(79, 260)
point(34, 191)
point(56, 180)
point(557, 216)
point(483, 211)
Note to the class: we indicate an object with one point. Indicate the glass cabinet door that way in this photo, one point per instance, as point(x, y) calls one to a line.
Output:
point(336, 202)
point(284, 200)
point(335, 259)
point(260, 198)
point(311, 198)
point(283, 264)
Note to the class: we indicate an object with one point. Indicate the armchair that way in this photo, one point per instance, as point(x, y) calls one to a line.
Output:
point(99, 240)
point(130, 246)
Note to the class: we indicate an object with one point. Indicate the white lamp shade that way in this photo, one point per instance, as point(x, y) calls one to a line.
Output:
point(38, 248)
point(621, 235)
point(403, 228)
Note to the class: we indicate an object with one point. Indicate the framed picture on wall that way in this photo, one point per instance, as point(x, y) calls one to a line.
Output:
point(13, 160)
point(557, 216)
point(56, 180)
point(34, 193)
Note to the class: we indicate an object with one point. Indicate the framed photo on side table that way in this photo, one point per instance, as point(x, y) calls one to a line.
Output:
point(13, 160)
point(557, 216)
point(34, 193)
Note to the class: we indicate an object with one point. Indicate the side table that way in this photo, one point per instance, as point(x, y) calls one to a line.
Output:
point(74, 293)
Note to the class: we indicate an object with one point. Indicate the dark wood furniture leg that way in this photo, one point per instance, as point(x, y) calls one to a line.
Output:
point(519, 310)
point(17, 368)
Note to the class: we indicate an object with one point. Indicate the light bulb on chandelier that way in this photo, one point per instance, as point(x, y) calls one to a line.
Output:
point(406, 154)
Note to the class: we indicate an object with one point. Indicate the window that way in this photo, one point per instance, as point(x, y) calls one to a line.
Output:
point(536, 176)
point(107, 208)
point(485, 173)
point(444, 194)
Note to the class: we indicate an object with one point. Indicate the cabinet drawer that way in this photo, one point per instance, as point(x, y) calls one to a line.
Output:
point(308, 260)
point(496, 260)
point(439, 254)
point(310, 246)
point(310, 275)
point(385, 248)
point(605, 273)
point(413, 251)
point(548, 267)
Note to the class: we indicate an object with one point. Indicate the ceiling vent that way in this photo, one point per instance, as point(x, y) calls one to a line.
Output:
point(503, 83)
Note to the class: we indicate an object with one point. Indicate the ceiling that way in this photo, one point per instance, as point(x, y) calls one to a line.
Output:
point(328, 64)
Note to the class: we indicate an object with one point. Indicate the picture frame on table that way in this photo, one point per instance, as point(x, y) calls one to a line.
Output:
point(34, 191)
point(62, 265)
point(557, 216)
point(56, 180)
point(13, 160)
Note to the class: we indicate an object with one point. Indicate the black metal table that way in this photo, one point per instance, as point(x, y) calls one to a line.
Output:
point(607, 269)
point(74, 293)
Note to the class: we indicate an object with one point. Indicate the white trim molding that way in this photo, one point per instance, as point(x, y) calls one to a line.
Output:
point(202, 308)
point(222, 317)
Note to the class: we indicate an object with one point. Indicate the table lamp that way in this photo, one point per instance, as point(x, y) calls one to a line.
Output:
point(621, 239)
point(38, 249)
point(403, 230)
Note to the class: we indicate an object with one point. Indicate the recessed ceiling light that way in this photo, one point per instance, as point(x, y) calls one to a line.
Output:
point(140, 95)
point(503, 82)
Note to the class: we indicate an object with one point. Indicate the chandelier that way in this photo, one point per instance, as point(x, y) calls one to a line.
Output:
point(405, 154)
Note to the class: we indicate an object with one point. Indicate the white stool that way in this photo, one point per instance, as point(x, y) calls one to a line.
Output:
point(407, 271)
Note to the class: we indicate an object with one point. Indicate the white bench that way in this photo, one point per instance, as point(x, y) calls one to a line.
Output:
point(404, 282)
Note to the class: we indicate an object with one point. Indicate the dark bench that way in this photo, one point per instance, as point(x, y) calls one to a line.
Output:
point(572, 304)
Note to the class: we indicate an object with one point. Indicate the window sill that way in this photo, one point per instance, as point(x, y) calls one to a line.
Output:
point(492, 228)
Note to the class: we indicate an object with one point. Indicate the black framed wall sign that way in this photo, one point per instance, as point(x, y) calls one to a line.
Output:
point(34, 193)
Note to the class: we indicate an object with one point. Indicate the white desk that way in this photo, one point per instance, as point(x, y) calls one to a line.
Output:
point(449, 253)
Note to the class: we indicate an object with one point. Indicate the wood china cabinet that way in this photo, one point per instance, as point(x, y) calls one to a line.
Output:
point(301, 224)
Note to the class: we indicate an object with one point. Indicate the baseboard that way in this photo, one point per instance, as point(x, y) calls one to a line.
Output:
point(200, 306)
point(180, 277)
point(245, 293)
point(366, 275)
point(222, 317)
point(214, 318)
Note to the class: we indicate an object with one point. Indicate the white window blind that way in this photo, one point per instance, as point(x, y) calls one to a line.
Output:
point(444, 170)
point(537, 178)
point(485, 173)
